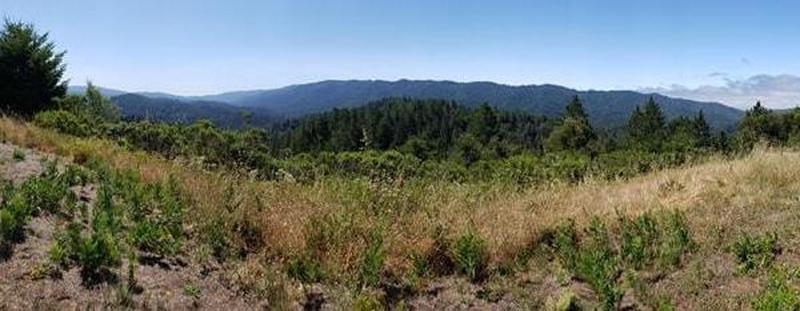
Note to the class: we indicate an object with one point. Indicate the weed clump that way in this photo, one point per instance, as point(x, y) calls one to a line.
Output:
point(593, 257)
point(305, 269)
point(18, 155)
point(372, 260)
point(755, 252)
point(470, 255)
point(94, 249)
point(778, 294)
point(648, 239)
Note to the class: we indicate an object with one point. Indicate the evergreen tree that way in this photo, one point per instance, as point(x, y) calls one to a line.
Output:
point(575, 109)
point(574, 133)
point(484, 123)
point(759, 123)
point(646, 128)
point(30, 70)
point(702, 130)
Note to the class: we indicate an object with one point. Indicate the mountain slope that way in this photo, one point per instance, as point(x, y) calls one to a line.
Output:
point(609, 109)
point(135, 106)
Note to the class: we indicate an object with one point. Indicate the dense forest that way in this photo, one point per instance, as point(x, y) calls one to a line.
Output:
point(441, 139)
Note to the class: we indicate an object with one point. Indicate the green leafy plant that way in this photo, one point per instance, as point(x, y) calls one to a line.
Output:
point(18, 155)
point(755, 252)
point(598, 264)
point(778, 294)
point(675, 238)
point(14, 216)
point(639, 240)
point(305, 269)
point(470, 255)
point(372, 260)
point(191, 290)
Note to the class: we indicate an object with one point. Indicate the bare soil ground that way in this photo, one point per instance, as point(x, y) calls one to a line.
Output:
point(29, 284)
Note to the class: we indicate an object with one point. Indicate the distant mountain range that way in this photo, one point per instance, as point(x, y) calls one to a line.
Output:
point(607, 109)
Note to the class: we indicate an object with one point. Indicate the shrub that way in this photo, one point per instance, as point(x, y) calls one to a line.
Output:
point(305, 269)
point(159, 224)
point(646, 238)
point(598, 264)
point(639, 240)
point(18, 155)
point(44, 193)
point(14, 216)
point(470, 255)
point(217, 238)
point(66, 122)
point(95, 249)
point(94, 252)
point(372, 260)
point(675, 237)
point(565, 243)
point(591, 259)
point(755, 252)
point(191, 290)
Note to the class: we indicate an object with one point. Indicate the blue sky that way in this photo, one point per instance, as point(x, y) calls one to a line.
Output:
point(200, 47)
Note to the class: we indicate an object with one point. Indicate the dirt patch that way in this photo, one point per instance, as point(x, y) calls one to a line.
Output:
point(31, 282)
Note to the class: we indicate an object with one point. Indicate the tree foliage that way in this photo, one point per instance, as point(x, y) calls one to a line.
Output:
point(31, 70)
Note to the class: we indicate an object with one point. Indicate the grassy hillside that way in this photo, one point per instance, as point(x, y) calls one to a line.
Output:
point(361, 243)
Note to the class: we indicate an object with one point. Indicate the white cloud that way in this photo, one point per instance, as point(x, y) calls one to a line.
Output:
point(774, 91)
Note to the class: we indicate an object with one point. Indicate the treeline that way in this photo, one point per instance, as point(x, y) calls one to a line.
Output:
point(427, 129)
point(407, 138)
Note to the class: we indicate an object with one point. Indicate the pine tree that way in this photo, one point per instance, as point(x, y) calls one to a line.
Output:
point(646, 127)
point(575, 109)
point(702, 130)
point(574, 133)
point(30, 70)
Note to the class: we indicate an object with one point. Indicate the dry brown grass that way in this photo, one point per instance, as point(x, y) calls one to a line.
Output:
point(720, 198)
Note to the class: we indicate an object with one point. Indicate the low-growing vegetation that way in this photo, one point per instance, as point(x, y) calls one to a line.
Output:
point(755, 252)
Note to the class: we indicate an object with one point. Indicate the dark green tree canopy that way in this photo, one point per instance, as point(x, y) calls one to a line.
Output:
point(646, 127)
point(574, 133)
point(31, 70)
point(575, 109)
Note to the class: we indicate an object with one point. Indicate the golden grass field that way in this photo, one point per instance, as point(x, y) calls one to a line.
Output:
point(721, 198)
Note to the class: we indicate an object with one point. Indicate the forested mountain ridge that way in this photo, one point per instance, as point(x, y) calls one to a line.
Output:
point(606, 109)
point(141, 107)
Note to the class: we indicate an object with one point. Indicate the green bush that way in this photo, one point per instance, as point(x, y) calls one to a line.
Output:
point(755, 252)
point(647, 238)
point(639, 240)
point(565, 243)
point(676, 239)
point(598, 264)
point(158, 228)
point(13, 217)
point(216, 236)
point(94, 249)
point(67, 122)
point(372, 260)
point(18, 155)
point(470, 255)
point(305, 269)
point(44, 194)
point(95, 252)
